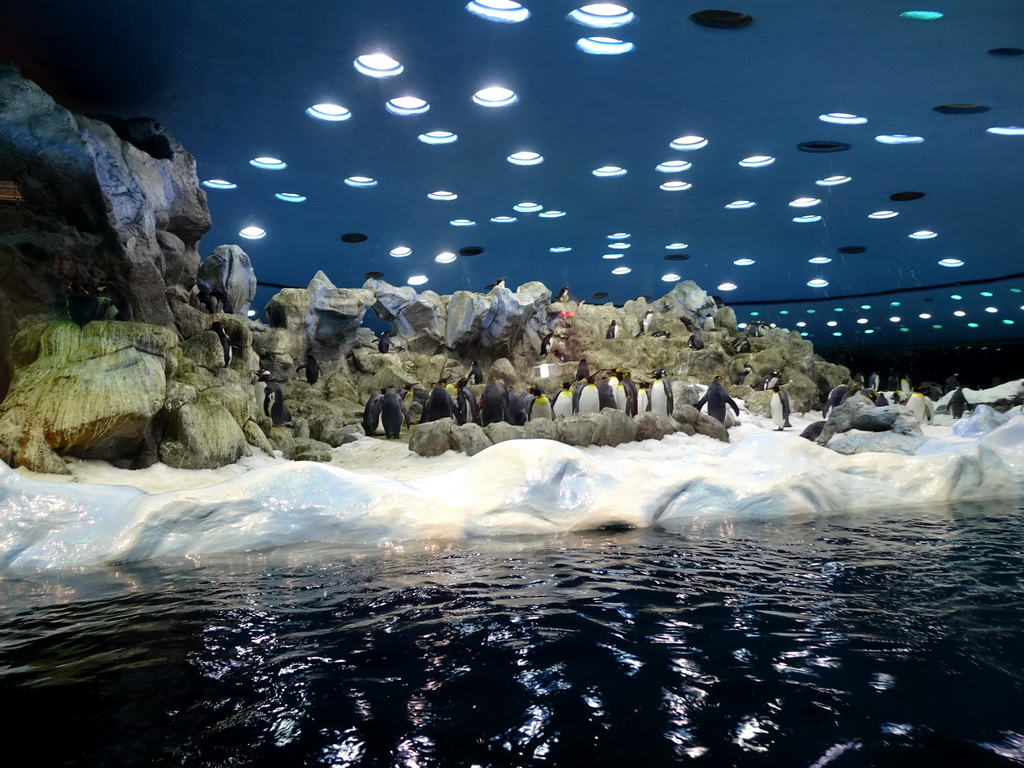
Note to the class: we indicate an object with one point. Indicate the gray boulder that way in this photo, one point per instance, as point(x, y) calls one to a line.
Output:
point(578, 429)
point(541, 429)
point(469, 439)
point(432, 438)
point(229, 269)
point(500, 431)
point(879, 442)
point(655, 426)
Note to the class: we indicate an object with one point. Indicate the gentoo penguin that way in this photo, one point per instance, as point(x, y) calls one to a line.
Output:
point(225, 341)
point(716, 399)
point(475, 374)
point(260, 388)
point(563, 294)
point(646, 321)
point(835, 397)
point(465, 403)
point(660, 393)
point(493, 403)
point(768, 381)
point(275, 407)
point(439, 404)
point(540, 406)
point(312, 369)
point(661, 335)
point(605, 394)
point(696, 341)
point(371, 414)
point(384, 342)
point(952, 383)
point(392, 414)
point(582, 370)
point(613, 330)
point(958, 402)
point(83, 306)
point(779, 407)
point(518, 407)
point(562, 403)
point(587, 399)
point(742, 377)
point(545, 343)
point(921, 406)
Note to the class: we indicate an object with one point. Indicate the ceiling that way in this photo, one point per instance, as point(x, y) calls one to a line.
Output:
point(233, 82)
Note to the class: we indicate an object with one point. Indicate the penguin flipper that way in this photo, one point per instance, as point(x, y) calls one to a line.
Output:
point(732, 402)
point(702, 402)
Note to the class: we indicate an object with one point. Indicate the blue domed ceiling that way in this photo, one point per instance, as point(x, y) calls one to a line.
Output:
point(854, 171)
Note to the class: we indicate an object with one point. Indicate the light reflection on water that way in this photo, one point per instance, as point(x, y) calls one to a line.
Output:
point(869, 639)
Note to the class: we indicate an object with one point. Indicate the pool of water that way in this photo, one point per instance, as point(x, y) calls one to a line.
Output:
point(869, 639)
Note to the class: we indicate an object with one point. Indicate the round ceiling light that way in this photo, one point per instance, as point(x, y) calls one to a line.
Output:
point(1007, 130)
point(503, 219)
point(851, 249)
point(831, 181)
point(822, 146)
point(676, 256)
point(727, 287)
point(417, 279)
point(757, 161)
point(619, 236)
point(743, 262)
point(602, 15)
point(438, 137)
point(619, 246)
point(504, 11)
point(354, 237)
point(377, 65)
point(820, 260)
point(525, 158)
point(442, 194)
point(902, 197)
point(805, 202)
point(495, 96)
point(253, 233)
point(560, 249)
point(604, 46)
point(670, 277)
point(330, 112)
point(675, 186)
point(687, 143)
point(673, 166)
point(740, 204)
point(961, 109)
point(883, 215)
point(721, 19)
point(268, 163)
point(611, 256)
point(621, 271)
point(951, 263)
point(609, 170)
point(290, 197)
point(898, 138)
point(471, 250)
point(527, 207)
point(923, 234)
point(921, 15)
point(407, 105)
point(219, 184)
point(446, 257)
point(552, 214)
point(842, 118)
point(817, 283)
point(462, 223)
point(401, 252)
point(807, 219)
point(676, 246)
point(361, 182)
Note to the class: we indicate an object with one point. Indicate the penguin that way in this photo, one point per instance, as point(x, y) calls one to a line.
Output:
point(518, 407)
point(892, 383)
point(897, 397)
point(223, 302)
point(275, 407)
point(813, 431)
point(587, 399)
point(384, 342)
point(205, 298)
point(618, 391)
point(756, 329)
point(112, 304)
point(952, 383)
point(746, 372)
point(645, 322)
point(582, 370)
point(859, 378)
point(740, 344)
point(439, 404)
point(563, 294)
point(613, 330)
point(716, 399)
point(921, 406)
point(628, 386)
point(835, 397)
point(905, 385)
point(494, 403)
point(768, 381)
point(545, 343)
point(540, 406)
point(475, 374)
point(466, 410)
point(661, 335)
point(779, 407)
point(260, 388)
point(372, 413)
point(605, 394)
point(392, 415)
point(708, 323)
point(225, 340)
point(873, 381)
point(499, 283)
point(958, 402)
point(83, 306)
point(881, 400)
point(696, 341)
point(312, 369)
point(660, 393)
point(561, 405)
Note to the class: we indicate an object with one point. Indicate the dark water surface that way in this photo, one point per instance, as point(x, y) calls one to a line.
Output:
point(867, 639)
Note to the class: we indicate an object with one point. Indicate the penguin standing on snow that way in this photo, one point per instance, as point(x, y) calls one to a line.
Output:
point(312, 369)
point(921, 406)
point(392, 415)
point(561, 405)
point(613, 330)
point(645, 322)
point(779, 407)
point(716, 399)
point(958, 402)
point(540, 406)
point(628, 386)
point(475, 374)
point(660, 393)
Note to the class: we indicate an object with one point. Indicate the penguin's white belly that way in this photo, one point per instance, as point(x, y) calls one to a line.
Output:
point(642, 401)
point(590, 401)
point(563, 405)
point(659, 402)
point(776, 407)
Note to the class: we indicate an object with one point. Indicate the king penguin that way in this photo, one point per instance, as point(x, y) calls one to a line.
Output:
point(312, 369)
point(562, 403)
point(465, 403)
point(582, 370)
point(643, 399)
point(392, 414)
point(921, 406)
point(587, 399)
point(540, 406)
point(439, 404)
point(371, 414)
point(661, 393)
point(716, 399)
point(780, 408)
point(835, 397)
point(493, 403)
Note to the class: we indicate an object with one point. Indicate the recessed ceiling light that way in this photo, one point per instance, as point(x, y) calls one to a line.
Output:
point(361, 182)
point(525, 158)
point(898, 138)
point(817, 283)
point(552, 214)
point(727, 287)
point(743, 262)
point(721, 19)
point(604, 46)
point(503, 219)
point(923, 234)
point(618, 236)
point(832, 181)
point(687, 143)
point(495, 96)
point(621, 271)
point(676, 246)
point(438, 137)
point(268, 163)
point(865, 306)
point(528, 207)
point(620, 246)
point(801, 324)
point(676, 186)
point(1007, 130)
point(442, 195)
point(921, 15)
point(611, 256)
point(832, 323)
point(1006, 51)
point(330, 112)
point(602, 15)
point(806, 219)
point(842, 118)
point(371, 275)
point(407, 105)
point(956, 297)
point(925, 316)
point(757, 161)
point(446, 257)
point(739, 204)
point(883, 215)
point(504, 11)
point(1007, 321)
point(820, 260)
point(560, 249)
point(960, 313)
point(986, 294)
point(870, 330)
point(401, 252)
point(673, 166)
point(417, 280)
point(253, 233)
point(862, 320)
point(670, 277)
point(462, 223)
point(219, 184)
point(377, 65)
point(804, 202)
point(290, 197)
point(609, 170)
point(951, 263)
point(894, 319)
